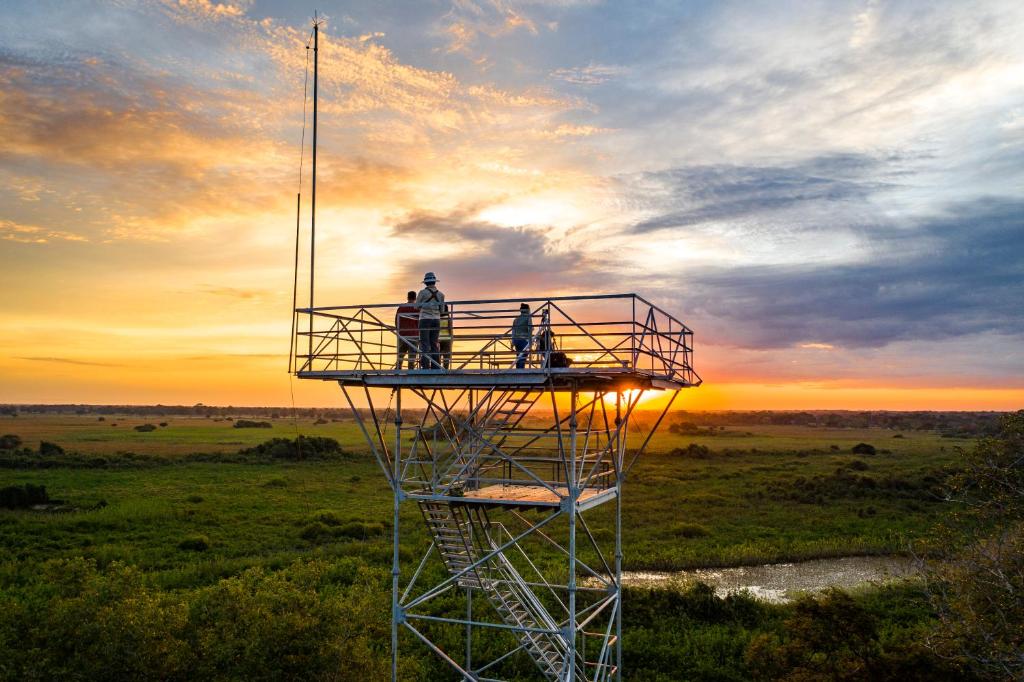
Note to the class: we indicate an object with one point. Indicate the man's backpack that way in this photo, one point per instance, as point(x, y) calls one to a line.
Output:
point(559, 360)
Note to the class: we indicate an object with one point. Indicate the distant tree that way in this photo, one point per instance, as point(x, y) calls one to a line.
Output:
point(47, 449)
point(248, 424)
point(10, 442)
point(863, 449)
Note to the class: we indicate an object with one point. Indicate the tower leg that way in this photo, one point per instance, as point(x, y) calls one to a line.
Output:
point(469, 629)
point(618, 536)
point(395, 570)
point(572, 485)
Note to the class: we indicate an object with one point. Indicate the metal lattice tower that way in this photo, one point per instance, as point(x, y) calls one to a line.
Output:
point(506, 466)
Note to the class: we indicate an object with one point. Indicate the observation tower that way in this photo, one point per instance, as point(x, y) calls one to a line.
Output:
point(505, 466)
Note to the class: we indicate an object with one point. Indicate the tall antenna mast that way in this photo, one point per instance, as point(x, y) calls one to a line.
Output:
point(312, 231)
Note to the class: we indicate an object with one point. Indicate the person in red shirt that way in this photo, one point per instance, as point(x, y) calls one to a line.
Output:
point(407, 325)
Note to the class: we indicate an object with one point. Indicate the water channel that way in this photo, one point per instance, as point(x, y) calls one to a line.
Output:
point(780, 583)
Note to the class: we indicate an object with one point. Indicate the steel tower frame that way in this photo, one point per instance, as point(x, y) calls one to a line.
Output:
point(482, 448)
point(505, 466)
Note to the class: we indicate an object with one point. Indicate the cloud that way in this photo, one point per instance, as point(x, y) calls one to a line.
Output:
point(234, 292)
point(70, 361)
point(469, 19)
point(591, 74)
point(34, 234)
point(492, 260)
point(700, 194)
point(206, 10)
point(955, 275)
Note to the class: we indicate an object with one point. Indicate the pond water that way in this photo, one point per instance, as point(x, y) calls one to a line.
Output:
point(780, 583)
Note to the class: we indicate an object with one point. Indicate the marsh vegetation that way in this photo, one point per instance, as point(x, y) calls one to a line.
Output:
point(220, 553)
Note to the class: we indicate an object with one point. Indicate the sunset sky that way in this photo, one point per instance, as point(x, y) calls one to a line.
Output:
point(831, 194)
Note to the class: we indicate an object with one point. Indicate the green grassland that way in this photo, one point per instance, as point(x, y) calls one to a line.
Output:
point(177, 536)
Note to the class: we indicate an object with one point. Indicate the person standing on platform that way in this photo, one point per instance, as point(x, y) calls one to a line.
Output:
point(445, 338)
point(407, 329)
point(430, 302)
point(522, 332)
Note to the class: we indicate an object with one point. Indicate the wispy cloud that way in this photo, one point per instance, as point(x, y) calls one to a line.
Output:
point(591, 74)
point(33, 234)
point(70, 361)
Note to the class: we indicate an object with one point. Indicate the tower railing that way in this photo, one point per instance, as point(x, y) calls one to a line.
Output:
point(603, 334)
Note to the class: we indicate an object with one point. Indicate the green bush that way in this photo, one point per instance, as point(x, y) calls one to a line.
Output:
point(316, 532)
point(692, 451)
point(327, 517)
point(145, 428)
point(361, 530)
point(195, 543)
point(688, 530)
point(301, 448)
point(306, 621)
point(23, 496)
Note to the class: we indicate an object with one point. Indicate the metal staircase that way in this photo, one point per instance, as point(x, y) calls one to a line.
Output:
point(463, 535)
point(496, 421)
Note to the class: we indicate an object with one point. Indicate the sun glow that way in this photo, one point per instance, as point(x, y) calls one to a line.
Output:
point(631, 394)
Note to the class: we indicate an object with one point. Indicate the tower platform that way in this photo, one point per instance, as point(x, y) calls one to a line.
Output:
point(518, 496)
point(562, 379)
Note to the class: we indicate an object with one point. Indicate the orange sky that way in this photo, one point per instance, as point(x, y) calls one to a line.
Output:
point(813, 242)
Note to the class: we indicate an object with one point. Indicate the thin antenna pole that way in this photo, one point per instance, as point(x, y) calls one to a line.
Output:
point(295, 284)
point(312, 230)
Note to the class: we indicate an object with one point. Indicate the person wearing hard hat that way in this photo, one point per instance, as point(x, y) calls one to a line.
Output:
point(522, 333)
point(430, 302)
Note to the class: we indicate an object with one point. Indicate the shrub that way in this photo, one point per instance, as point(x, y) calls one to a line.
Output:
point(319, 421)
point(835, 637)
point(47, 449)
point(863, 449)
point(163, 423)
point(10, 442)
point(316, 532)
point(308, 620)
point(327, 517)
point(247, 424)
point(692, 451)
point(195, 543)
point(23, 496)
point(195, 499)
point(361, 530)
point(145, 428)
point(303, 447)
point(275, 483)
point(689, 530)
point(977, 586)
point(101, 419)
